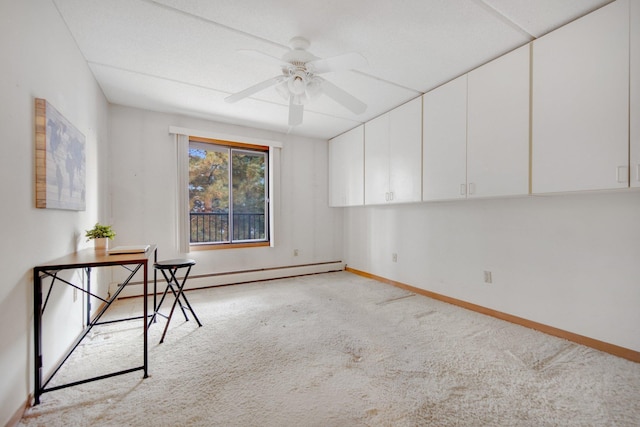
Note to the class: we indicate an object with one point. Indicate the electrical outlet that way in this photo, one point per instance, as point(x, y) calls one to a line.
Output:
point(296, 252)
point(394, 257)
point(487, 277)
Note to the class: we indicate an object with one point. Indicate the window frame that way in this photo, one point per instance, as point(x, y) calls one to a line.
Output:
point(231, 145)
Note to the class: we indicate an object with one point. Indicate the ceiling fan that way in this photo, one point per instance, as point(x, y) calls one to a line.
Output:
point(300, 81)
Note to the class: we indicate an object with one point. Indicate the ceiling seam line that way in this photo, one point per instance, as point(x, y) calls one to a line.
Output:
point(155, 76)
point(362, 73)
point(209, 21)
point(212, 90)
point(504, 18)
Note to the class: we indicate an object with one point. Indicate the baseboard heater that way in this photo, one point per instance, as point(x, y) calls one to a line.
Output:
point(200, 281)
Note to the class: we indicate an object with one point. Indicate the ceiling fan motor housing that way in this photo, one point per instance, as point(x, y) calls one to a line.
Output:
point(299, 52)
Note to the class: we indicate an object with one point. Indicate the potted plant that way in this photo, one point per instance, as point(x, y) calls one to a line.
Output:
point(101, 234)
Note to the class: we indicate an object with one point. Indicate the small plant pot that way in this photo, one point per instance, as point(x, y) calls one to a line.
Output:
point(101, 243)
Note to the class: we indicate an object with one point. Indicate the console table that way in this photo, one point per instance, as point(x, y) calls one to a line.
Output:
point(86, 260)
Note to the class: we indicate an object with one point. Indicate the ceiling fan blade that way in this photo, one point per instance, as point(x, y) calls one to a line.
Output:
point(253, 89)
point(347, 61)
point(341, 97)
point(261, 56)
point(295, 112)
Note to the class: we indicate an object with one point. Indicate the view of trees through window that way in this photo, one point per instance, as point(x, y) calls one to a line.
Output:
point(227, 194)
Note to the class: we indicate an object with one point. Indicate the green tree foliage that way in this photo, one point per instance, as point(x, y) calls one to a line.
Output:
point(248, 182)
point(208, 180)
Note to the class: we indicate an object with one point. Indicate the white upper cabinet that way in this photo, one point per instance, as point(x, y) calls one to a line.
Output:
point(444, 139)
point(376, 160)
point(635, 94)
point(476, 132)
point(405, 160)
point(580, 118)
point(346, 168)
point(393, 156)
point(498, 126)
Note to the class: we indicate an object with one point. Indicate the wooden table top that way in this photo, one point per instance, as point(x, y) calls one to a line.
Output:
point(96, 258)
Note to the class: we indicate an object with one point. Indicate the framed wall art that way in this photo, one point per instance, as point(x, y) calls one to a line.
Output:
point(60, 161)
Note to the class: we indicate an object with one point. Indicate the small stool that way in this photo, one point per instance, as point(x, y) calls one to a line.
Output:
point(177, 289)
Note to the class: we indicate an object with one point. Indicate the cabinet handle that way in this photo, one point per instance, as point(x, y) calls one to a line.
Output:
point(622, 174)
point(391, 195)
point(463, 189)
point(472, 188)
point(386, 197)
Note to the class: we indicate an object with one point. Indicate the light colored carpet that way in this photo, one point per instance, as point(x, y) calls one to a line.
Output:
point(339, 350)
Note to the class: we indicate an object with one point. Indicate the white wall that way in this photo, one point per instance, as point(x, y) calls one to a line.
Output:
point(39, 59)
point(567, 261)
point(143, 181)
point(136, 195)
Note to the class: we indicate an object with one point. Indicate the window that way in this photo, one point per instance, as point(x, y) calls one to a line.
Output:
point(228, 193)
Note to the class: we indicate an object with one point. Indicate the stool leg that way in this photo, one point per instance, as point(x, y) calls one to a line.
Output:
point(189, 307)
point(184, 297)
point(179, 286)
point(166, 327)
point(164, 295)
point(179, 298)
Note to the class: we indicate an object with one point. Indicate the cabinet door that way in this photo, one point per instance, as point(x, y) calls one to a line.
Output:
point(346, 168)
point(581, 103)
point(405, 152)
point(444, 142)
point(376, 160)
point(635, 94)
point(498, 126)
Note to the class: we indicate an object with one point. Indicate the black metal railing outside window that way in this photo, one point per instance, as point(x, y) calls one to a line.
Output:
point(208, 227)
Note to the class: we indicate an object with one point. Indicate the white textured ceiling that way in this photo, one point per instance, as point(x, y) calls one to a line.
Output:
point(180, 56)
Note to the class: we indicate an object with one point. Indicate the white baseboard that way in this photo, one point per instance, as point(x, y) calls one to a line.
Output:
point(134, 289)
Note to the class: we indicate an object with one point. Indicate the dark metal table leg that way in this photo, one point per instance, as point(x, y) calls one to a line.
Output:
point(37, 335)
point(88, 270)
point(144, 319)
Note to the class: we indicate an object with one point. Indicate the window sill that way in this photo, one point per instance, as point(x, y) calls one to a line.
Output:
point(209, 247)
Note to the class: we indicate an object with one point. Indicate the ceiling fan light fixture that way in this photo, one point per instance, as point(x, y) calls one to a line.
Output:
point(314, 87)
point(297, 85)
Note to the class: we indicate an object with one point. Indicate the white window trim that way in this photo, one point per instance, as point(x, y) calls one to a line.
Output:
point(175, 130)
point(182, 196)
